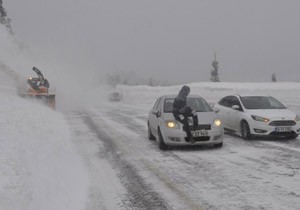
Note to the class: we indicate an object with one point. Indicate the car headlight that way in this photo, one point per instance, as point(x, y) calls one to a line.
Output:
point(297, 118)
point(261, 119)
point(217, 122)
point(171, 124)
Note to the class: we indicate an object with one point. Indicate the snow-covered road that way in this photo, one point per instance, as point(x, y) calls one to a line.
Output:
point(128, 171)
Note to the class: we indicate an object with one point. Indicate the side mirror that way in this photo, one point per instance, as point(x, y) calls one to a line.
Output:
point(236, 107)
point(216, 110)
point(156, 113)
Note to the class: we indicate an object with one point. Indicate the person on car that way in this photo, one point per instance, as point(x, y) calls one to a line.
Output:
point(182, 112)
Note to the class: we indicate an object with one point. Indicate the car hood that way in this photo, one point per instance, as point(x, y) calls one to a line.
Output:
point(203, 117)
point(273, 113)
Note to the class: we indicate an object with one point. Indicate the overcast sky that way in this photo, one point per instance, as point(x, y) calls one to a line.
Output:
point(168, 39)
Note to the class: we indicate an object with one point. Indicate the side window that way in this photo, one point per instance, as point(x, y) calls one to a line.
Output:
point(235, 101)
point(221, 102)
point(225, 101)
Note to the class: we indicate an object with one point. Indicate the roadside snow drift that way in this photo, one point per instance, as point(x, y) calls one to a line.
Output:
point(39, 167)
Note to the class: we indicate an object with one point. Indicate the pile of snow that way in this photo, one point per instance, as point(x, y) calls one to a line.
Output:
point(39, 166)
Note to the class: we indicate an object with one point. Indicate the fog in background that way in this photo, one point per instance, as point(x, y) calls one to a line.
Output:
point(170, 40)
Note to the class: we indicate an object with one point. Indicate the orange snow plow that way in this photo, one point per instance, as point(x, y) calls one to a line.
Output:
point(39, 89)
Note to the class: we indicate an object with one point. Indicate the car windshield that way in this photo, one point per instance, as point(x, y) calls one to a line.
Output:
point(261, 102)
point(198, 104)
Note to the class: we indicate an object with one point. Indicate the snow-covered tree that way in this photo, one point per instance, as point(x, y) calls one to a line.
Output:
point(150, 82)
point(274, 79)
point(4, 20)
point(3, 13)
point(215, 71)
point(113, 80)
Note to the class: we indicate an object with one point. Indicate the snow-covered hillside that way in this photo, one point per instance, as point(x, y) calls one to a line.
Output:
point(39, 166)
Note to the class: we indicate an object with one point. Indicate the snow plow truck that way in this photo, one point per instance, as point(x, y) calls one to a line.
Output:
point(38, 88)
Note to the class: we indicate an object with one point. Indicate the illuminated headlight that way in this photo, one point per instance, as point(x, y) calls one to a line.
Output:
point(171, 124)
point(217, 122)
point(297, 118)
point(261, 119)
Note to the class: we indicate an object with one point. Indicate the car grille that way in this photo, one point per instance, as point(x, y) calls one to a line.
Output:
point(201, 127)
point(283, 123)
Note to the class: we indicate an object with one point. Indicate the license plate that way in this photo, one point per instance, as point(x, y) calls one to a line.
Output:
point(200, 133)
point(283, 129)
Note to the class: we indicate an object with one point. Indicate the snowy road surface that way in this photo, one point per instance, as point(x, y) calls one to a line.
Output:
point(128, 171)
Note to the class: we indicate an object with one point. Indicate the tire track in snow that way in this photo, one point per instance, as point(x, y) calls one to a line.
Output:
point(127, 118)
point(185, 201)
point(140, 195)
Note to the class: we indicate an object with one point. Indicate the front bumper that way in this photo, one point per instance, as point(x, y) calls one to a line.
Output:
point(177, 137)
point(265, 129)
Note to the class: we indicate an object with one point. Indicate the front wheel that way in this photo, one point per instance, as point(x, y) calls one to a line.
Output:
point(161, 143)
point(150, 135)
point(245, 131)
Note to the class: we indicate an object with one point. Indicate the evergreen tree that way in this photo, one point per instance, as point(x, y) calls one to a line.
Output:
point(4, 20)
point(274, 79)
point(150, 82)
point(3, 13)
point(214, 72)
point(113, 80)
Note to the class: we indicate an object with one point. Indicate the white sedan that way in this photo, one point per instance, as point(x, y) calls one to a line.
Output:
point(257, 115)
point(163, 127)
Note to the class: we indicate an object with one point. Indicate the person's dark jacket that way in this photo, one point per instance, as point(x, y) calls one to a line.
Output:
point(179, 105)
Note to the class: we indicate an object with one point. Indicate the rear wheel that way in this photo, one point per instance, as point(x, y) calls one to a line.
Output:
point(161, 143)
point(245, 131)
point(150, 135)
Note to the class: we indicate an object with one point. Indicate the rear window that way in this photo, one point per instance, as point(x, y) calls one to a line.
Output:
point(198, 104)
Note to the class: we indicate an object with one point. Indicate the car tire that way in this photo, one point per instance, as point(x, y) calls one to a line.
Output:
point(218, 145)
point(161, 144)
point(245, 131)
point(150, 135)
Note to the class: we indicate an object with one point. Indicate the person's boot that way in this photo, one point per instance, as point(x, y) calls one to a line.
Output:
point(192, 140)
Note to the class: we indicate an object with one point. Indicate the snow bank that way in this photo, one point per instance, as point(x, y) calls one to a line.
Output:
point(287, 92)
point(39, 166)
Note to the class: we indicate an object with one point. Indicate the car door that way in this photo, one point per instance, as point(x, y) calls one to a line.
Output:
point(224, 109)
point(153, 117)
point(234, 115)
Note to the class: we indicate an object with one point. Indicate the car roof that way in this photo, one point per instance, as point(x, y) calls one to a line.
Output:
point(174, 96)
point(248, 95)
